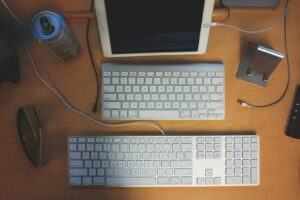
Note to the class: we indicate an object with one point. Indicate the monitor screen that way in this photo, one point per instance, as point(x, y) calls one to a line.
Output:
point(147, 26)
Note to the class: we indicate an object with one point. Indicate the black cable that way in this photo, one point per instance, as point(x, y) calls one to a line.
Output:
point(244, 103)
point(95, 107)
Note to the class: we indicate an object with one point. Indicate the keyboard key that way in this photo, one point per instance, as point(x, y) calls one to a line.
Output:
point(217, 81)
point(175, 180)
point(200, 147)
point(75, 180)
point(200, 181)
point(229, 171)
point(163, 180)
point(112, 105)
point(238, 155)
point(200, 155)
point(186, 180)
point(233, 180)
point(161, 172)
point(100, 172)
point(209, 147)
point(130, 181)
point(98, 181)
point(229, 163)
point(92, 172)
point(209, 181)
point(106, 73)
point(254, 163)
point(109, 88)
point(186, 147)
point(246, 179)
point(75, 155)
point(246, 154)
point(81, 147)
point(254, 154)
point(73, 147)
point(254, 175)
point(183, 172)
point(229, 155)
point(217, 181)
point(184, 163)
point(238, 171)
point(217, 155)
point(209, 155)
point(217, 147)
point(78, 172)
point(166, 114)
point(246, 171)
point(76, 163)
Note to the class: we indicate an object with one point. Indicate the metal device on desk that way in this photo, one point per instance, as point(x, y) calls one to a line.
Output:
point(258, 63)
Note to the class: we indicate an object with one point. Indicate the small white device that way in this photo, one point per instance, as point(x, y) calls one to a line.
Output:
point(153, 27)
point(164, 161)
point(189, 91)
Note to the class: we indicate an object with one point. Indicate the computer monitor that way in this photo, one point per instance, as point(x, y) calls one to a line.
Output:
point(153, 27)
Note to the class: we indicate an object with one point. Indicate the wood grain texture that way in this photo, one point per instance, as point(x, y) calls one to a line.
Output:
point(280, 155)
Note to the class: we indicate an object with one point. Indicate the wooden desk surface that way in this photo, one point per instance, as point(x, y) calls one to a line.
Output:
point(280, 155)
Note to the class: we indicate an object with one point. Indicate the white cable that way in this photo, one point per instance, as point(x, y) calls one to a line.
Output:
point(64, 101)
point(68, 105)
point(252, 31)
point(12, 13)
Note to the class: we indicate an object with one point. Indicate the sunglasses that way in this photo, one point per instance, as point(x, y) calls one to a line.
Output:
point(30, 133)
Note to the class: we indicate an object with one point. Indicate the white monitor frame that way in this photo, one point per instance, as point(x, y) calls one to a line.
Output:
point(105, 38)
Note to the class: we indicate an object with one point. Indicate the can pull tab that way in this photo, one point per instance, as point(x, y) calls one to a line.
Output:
point(47, 27)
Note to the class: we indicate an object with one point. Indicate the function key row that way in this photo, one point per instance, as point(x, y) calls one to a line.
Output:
point(241, 139)
point(208, 139)
point(130, 139)
point(164, 74)
point(132, 147)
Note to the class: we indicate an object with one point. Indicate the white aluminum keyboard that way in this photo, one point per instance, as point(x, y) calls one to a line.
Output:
point(164, 161)
point(163, 92)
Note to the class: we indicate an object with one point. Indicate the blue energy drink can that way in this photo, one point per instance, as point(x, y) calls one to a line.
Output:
point(51, 30)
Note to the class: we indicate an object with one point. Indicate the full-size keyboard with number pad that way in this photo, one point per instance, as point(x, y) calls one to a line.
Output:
point(173, 91)
point(164, 161)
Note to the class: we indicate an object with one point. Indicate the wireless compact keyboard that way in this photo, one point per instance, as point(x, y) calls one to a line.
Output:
point(164, 161)
point(163, 92)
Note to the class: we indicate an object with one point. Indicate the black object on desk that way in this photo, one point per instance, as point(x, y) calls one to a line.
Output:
point(30, 133)
point(293, 128)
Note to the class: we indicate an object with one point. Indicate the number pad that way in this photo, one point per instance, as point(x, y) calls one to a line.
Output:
point(241, 160)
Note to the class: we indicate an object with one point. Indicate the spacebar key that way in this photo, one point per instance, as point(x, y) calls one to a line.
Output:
point(124, 181)
point(159, 114)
